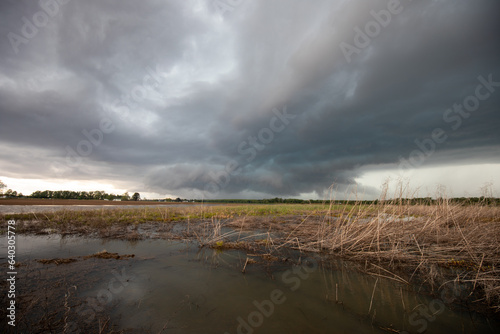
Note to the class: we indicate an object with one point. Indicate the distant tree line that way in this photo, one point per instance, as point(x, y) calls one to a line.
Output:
point(409, 201)
point(12, 193)
point(102, 195)
point(259, 201)
point(68, 194)
point(178, 199)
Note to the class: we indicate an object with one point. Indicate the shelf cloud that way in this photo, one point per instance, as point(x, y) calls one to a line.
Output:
point(245, 98)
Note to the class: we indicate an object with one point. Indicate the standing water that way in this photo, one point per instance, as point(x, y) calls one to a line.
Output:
point(176, 287)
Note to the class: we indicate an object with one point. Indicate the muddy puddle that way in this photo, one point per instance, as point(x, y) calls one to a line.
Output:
point(177, 287)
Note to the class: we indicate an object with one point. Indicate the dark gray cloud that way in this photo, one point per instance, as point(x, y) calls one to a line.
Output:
point(187, 93)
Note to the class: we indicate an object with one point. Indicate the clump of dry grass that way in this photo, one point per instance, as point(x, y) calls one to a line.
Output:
point(107, 255)
point(242, 245)
point(99, 255)
point(57, 261)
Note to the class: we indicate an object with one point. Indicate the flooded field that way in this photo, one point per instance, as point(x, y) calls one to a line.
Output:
point(178, 287)
point(13, 209)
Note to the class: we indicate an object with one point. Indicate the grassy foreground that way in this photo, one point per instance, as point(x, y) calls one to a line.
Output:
point(438, 244)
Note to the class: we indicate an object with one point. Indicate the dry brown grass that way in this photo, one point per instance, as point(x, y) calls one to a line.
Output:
point(437, 245)
point(465, 239)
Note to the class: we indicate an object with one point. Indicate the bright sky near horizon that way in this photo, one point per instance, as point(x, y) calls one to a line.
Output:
point(250, 99)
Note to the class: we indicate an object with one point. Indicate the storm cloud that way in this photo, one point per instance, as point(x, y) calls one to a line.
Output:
point(245, 98)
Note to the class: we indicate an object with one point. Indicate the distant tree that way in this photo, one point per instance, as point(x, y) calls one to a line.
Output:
point(46, 194)
point(136, 197)
point(125, 197)
point(178, 199)
point(11, 193)
point(100, 194)
point(2, 187)
point(83, 195)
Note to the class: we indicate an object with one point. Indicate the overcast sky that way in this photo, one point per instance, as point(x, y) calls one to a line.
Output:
point(250, 98)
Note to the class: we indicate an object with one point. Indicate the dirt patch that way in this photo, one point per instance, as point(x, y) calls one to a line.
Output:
point(106, 255)
point(99, 255)
point(57, 261)
point(241, 245)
